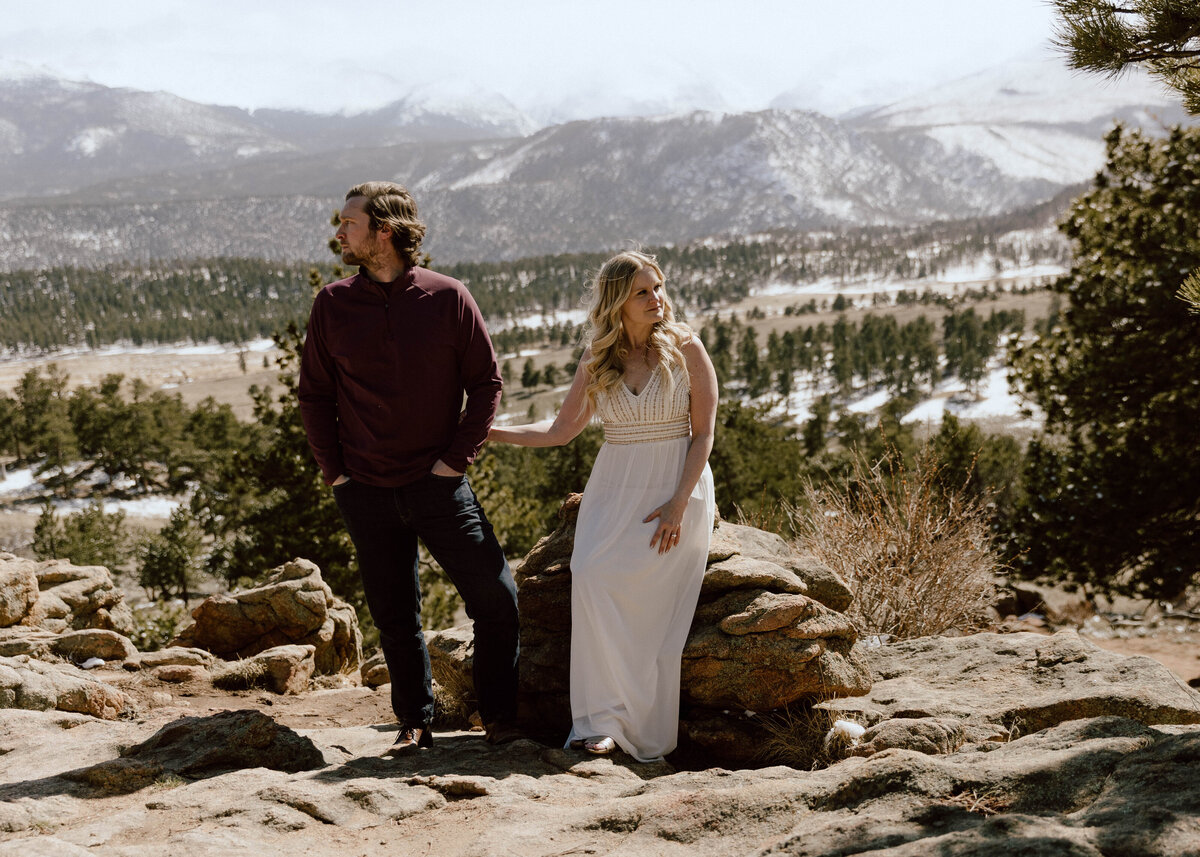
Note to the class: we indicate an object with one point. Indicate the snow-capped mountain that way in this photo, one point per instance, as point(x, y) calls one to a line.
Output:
point(449, 111)
point(116, 160)
point(579, 186)
point(1032, 118)
point(594, 183)
point(56, 135)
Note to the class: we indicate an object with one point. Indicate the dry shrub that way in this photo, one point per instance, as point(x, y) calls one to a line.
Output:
point(452, 706)
point(916, 555)
point(986, 804)
point(797, 736)
point(242, 675)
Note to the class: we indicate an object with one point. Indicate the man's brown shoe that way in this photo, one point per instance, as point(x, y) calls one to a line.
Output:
point(409, 740)
point(501, 732)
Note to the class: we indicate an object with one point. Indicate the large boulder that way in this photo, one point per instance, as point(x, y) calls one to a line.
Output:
point(198, 747)
point(32, 684)
point(293, 606)
point(18, 588)
point(288, 669)
point(767, 633)
point(80, 646)
point(77, 646)
point(760, 650)
point(74, 597)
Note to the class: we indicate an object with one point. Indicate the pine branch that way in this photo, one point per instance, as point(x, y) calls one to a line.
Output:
point(1162, 36)
point(1189, 292)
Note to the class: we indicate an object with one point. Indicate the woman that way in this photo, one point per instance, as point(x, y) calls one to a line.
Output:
point(641, 538)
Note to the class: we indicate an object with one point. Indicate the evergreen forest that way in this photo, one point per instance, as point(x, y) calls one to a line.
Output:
point(239, 300)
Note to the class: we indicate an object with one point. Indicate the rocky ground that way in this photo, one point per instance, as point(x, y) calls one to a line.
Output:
point(1021, 741)
point(989, 744)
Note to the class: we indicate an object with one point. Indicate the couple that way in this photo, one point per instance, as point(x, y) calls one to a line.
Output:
point(388, 357)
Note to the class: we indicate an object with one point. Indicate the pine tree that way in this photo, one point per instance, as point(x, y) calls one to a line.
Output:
point(88, 537)
point(530, 377)
point(168, 560)
point(1114, 484)
point(270, 505)
point(1162, 36)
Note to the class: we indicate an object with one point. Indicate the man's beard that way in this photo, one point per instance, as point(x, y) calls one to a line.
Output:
point(350, 257)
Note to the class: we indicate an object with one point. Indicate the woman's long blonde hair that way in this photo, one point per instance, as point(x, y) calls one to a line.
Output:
point(606, 332)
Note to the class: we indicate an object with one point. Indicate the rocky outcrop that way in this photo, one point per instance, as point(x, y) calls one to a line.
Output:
point(293, 606)
point(68, 597)
point(984, 744)
point(18, 589)
point(925, 778)
point(767, 633)
point(998, 686)
point(238, 783)
point(77, 646)
point(39, 686)
point(374, 671)
point(202, 747)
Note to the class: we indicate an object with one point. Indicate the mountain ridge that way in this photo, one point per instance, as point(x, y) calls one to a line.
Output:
point(492, 192)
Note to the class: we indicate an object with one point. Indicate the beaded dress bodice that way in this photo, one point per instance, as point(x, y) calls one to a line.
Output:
point(661, 411)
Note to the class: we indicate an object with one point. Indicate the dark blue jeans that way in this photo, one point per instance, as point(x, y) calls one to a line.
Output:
point(444, 513)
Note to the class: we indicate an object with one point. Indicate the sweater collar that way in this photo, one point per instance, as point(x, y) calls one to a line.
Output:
point(396, 286)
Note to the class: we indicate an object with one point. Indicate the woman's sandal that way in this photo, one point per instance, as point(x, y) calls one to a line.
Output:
point(600, 745)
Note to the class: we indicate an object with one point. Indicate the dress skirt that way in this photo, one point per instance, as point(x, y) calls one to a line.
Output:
point(631, 607)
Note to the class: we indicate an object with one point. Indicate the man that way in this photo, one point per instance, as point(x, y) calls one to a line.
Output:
point(389, 354)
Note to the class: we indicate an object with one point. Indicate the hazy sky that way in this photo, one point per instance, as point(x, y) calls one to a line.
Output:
point(333, 56)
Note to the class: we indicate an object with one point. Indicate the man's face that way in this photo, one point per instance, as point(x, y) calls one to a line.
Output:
point(360, 245)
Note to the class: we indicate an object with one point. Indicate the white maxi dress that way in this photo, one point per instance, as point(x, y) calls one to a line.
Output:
point(632, 607)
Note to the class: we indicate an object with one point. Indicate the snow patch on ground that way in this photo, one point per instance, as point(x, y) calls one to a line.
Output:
point(992, 399)
point(974, 273)
point(181, 348)
point(573, 316)
point(22, 482)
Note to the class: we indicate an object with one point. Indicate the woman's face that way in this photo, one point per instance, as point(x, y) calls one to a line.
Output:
point(644, 306)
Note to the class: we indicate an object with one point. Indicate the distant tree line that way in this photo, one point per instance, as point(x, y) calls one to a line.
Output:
point(236, 300)
point(224, 300)
point(879, 351)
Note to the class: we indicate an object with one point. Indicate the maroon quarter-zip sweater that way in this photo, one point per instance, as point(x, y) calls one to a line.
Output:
point(383, 374)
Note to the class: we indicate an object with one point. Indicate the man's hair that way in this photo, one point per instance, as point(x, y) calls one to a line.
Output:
point(391, 205)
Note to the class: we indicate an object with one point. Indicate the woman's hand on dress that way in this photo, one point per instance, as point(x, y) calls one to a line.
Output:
point(670, 524)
